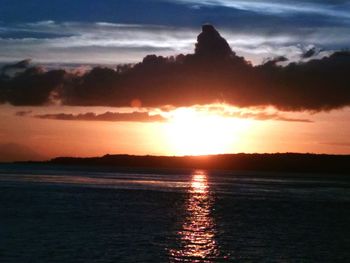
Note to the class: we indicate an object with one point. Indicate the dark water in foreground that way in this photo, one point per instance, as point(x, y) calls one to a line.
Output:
point(58, 214)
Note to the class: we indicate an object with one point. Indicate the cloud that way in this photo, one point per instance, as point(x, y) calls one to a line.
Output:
point(91, 42)
point(164, 114)
point(310, 53)
point(106, 35)
point(258, 113)
point(263, 116)
point(12, 69)
point(107, 40)
point(277, 7)
point(107, 116)
point(32, 87)
point(23, 113)
point(114, 43)
point(211, 44)
point(214, 73)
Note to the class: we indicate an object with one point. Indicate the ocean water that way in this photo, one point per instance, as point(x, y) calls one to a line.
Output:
point(75, 214)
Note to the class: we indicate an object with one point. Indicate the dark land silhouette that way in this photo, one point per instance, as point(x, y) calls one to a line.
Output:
point(278, 162)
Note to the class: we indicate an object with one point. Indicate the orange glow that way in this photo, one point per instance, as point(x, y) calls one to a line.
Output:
point(195, 130)
point(192, 132)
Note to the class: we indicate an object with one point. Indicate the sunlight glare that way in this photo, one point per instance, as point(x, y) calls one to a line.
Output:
point(192, 132)
point(198, 232)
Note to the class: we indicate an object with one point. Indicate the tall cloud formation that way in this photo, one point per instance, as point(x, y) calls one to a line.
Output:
point(214, 73)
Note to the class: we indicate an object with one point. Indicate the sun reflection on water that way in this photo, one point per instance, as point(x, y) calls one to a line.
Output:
point(197, 234)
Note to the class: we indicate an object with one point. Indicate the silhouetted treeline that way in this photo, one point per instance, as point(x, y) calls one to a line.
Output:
point(286, 162)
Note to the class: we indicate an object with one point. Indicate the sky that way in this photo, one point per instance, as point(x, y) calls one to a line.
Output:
point(279, 86)
point(117, 31)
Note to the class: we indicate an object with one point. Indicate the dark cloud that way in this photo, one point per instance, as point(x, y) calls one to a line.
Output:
point(311, 53)
point(274, 61)
point(214, 73)
point(263, 116)
point(146, 117)
point(107, 116)
point(34, 86)
point(211, 44)
point(11, 70)
point(23, 113)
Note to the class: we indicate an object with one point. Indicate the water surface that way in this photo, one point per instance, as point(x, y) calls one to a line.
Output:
point(75, 214)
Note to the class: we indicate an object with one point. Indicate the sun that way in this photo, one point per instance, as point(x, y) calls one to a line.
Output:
point(192, 132)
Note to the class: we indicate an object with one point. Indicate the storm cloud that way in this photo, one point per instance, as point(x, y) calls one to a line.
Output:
point(212, 74)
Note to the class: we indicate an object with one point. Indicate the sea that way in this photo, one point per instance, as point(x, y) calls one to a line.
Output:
point(52, 213)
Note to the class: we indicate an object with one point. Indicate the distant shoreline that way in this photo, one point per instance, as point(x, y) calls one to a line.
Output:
point(277, 162)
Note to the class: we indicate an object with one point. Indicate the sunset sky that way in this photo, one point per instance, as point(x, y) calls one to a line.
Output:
point(77, 77)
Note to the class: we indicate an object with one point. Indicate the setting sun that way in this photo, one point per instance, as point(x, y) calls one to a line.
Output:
point(192, 132)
